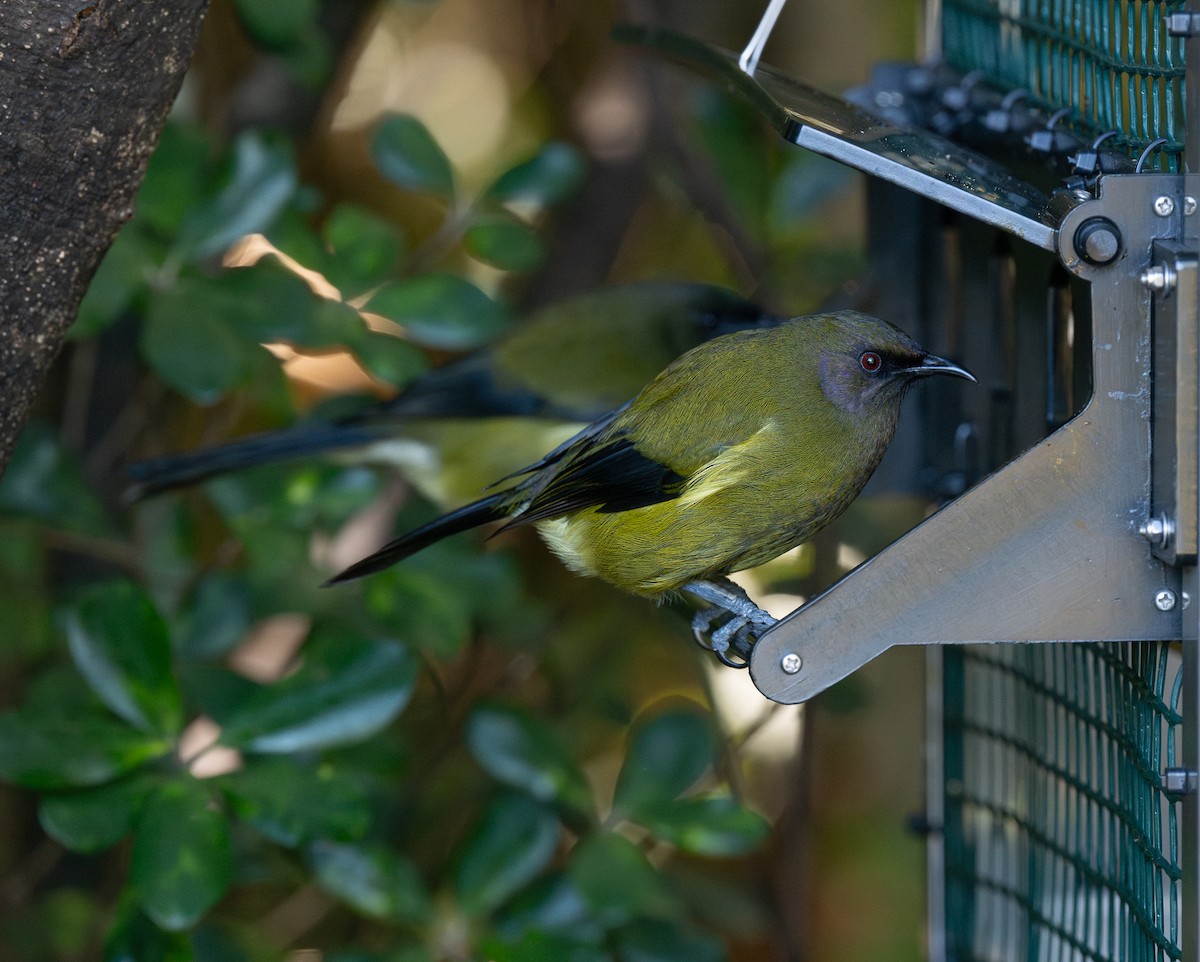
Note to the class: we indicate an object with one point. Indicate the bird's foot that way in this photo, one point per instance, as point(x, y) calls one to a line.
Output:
point(734, 637)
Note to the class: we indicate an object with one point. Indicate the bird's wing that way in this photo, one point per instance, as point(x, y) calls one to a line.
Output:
point(611, 475)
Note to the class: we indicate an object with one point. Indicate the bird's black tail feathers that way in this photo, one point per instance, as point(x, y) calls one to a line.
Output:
point(492, 508)
point(180, 470)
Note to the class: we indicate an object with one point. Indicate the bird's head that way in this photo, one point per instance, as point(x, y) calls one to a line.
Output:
point(867, 364)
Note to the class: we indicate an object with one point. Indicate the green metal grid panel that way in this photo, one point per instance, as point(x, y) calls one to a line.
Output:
point(1110, 60)
point(1061, 846)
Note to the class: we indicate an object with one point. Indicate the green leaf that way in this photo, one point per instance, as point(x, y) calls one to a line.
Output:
point(427, 609)
point(192, 348)
point(715, 825)
point(93, 819)
point(45, 483)
point(406, 154)
point(519, 750)
point(535, 946)
point(512, 842)
point(118, 281)
point(506, 243)
point(345, 691)
point(181, 862)
point(652, 940)
point(134, 938)
point(551, 176)
point(667, 755)
point(120, 645)
point(276, 25)
point(218, 617)
point(389, 358)
point(262, 182)
point(551, 903)
point(294, 804)
point(177, 175)
point(441, 311)
point(364, 249)
point(45, 751)
point(371, 880)
point(616, 881)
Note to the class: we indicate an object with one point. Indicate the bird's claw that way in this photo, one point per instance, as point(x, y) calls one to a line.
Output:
point(733, 640)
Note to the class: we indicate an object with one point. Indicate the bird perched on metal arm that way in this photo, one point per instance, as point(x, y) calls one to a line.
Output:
point(741, 449)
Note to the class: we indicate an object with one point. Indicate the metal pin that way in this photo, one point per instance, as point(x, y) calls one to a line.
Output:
point(1164, 600)
point(790, 663)
point(748, 61)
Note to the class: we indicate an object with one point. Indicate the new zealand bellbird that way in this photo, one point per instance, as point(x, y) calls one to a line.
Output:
point(741, 449)
point(461, 425)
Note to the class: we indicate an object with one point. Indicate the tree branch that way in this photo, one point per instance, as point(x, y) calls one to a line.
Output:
point(84, 91)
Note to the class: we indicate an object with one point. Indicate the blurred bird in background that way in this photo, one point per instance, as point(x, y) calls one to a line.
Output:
point(741, 449)
point(458, 427)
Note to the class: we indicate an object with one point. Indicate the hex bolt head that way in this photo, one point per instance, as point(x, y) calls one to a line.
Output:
point(1164, 206)
point(790, 663)
point(1098, 241)
point(1165, 600)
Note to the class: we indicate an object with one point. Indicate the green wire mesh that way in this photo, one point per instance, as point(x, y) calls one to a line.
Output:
point(1111, 61)
point(1061, 846)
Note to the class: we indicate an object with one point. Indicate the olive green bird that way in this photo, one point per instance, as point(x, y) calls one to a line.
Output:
point(741, 449)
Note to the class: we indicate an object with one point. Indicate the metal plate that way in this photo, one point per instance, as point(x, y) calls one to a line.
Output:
point(918, 160)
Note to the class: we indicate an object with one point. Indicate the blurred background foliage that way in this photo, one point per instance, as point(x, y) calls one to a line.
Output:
point(475, 755)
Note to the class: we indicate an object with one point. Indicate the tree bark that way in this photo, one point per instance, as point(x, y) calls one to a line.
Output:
point(84, 91)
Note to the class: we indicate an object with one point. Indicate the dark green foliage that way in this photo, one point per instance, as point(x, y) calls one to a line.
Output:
point(429, 764)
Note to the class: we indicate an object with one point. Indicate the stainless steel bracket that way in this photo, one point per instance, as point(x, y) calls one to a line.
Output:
point(1050, 547)
point(916, 159)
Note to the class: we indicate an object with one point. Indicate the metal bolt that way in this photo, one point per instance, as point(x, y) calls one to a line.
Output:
point(1189, 205)
point(1160, 277)
point(1164, 206)
point(1164, 600)
point(790, 663)
point(1158, 531)
point(1098, 241)
point(1180, 781)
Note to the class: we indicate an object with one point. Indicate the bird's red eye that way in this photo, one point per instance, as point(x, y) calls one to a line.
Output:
point(871, 362)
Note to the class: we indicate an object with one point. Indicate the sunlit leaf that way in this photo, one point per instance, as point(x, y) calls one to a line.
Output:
point(181, 862)
point(714, 825)
point(549, 177)
point(373, 880)
point(513, 840)
point(262, 181)
point(406, 154)
point(120, 645)
point(441, 311)
point(345, 690)
point(519, 750)
point(667, 755)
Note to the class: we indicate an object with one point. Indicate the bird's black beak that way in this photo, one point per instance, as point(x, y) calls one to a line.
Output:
point(932, 364)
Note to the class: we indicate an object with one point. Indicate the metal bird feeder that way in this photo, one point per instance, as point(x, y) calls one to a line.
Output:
point(1045, 145)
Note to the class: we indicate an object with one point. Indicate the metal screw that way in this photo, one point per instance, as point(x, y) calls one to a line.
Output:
point(1164, 206)
point(790, 663)
point(1164, 600)
point(1189, 205)
point(1160, 277)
